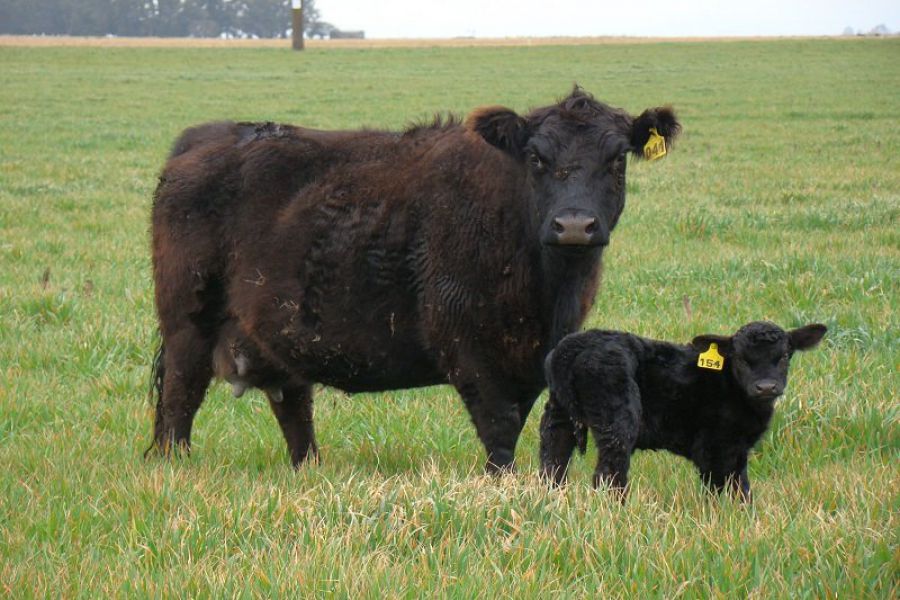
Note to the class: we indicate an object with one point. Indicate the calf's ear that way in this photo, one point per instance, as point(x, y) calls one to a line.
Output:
point(807, 337)
point(500, 127)
point(661, 120)
point(701, 343)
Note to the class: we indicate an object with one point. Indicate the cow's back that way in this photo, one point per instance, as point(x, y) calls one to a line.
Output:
point(366, 260)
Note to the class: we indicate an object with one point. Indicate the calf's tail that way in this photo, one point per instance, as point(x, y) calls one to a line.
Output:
point(558, 368)
point(157, 375)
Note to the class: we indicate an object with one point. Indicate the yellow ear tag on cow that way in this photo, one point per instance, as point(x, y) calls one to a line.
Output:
point(711, 359)
point(655, 146)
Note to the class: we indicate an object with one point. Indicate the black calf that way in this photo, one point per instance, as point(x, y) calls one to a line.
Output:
point(709, 401)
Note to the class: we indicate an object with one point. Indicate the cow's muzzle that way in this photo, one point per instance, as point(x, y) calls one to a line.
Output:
point(576, 228)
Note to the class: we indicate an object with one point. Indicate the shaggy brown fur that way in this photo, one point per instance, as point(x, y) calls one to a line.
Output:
point(372, 260)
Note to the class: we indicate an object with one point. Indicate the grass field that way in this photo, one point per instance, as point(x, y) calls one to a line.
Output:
point(780, 201)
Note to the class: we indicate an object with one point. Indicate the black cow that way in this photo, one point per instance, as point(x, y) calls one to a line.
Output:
point(634, 393)
point(372, 260)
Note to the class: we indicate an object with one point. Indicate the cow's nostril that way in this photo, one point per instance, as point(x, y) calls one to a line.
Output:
point(558, 227)
point(591, 226)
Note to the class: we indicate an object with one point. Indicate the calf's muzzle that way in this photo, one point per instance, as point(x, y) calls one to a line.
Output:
point(767, 388)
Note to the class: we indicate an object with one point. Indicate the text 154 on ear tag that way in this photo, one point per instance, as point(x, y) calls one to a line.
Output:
point(711, 359)
point(655, 146)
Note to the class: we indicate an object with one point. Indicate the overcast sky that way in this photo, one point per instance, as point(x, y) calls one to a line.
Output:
point(507, 18)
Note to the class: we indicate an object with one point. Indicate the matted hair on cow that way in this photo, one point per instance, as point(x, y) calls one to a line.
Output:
point(440, 121)
point(581, 105)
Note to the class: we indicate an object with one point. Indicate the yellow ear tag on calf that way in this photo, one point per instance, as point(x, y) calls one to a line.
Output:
point(711, 359)
point(655, 146)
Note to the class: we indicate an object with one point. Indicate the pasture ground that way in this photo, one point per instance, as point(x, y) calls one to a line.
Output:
point(780, 201)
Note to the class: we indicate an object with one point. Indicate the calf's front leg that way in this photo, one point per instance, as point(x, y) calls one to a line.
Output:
point(730, 474)
point(740, 486)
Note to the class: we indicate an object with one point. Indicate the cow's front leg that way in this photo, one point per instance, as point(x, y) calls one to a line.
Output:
point(497, 416)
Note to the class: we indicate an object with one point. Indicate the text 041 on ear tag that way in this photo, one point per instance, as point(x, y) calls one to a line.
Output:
point(711, 359)
point(655, 146)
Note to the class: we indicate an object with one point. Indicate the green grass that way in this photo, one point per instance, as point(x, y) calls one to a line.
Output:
point(780, 201)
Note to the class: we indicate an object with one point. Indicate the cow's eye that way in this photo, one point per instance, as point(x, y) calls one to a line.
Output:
point(535, 161)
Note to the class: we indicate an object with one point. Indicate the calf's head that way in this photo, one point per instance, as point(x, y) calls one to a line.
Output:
point(758, 355)
point(573, 154)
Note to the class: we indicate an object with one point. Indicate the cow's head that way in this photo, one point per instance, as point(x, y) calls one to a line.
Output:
point(758, 355)
point(574, 155)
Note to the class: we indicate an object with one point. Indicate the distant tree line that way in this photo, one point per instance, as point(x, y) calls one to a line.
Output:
point(162, 18)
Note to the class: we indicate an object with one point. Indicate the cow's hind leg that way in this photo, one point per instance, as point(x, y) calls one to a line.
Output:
point(186, 369)
point(294, 412)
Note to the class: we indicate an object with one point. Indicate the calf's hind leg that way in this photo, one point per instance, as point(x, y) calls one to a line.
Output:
point(615, 428)
point(613, 462)
point(294, 412)
point(557, 442)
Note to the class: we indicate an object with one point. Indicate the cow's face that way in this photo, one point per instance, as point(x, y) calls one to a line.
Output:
point(574, 158)
point(759, 354)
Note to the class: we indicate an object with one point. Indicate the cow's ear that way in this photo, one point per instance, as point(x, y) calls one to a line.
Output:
point(701, 343)
point(807, 337)
point(653, 132)
point(500, 127)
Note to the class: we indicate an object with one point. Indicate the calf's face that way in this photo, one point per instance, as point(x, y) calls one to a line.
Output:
point(574, 156)
point(759, 354)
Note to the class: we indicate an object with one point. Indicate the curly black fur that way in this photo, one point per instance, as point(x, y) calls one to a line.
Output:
point(635, 393)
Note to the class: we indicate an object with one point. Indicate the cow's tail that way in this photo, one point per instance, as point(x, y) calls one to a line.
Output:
point(157, 375)
point(558, 367)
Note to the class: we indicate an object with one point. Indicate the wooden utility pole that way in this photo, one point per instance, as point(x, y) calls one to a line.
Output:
point(297, 24)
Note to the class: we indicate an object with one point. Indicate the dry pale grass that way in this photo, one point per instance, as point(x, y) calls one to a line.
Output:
point(461, 42)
